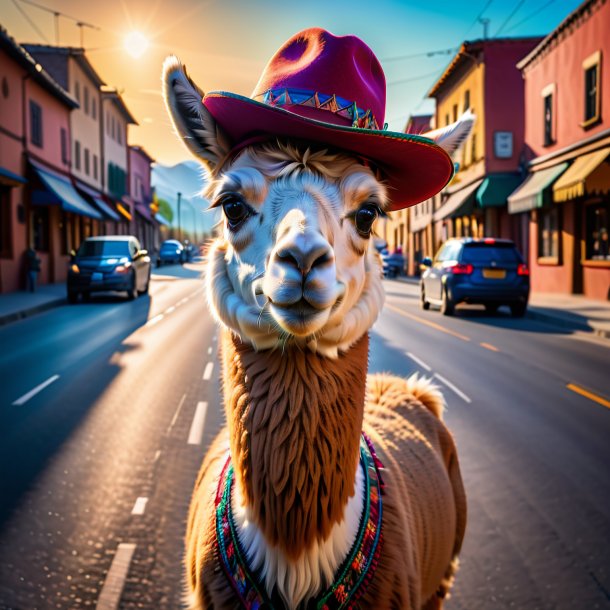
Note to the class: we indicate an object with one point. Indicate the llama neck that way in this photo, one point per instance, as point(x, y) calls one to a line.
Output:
point(295, 420)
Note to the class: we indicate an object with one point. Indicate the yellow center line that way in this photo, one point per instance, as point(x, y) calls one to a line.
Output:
point(428, 323)
point(589, 395)
point(493, 348)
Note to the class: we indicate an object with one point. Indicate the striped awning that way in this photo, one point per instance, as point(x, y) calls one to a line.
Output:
point(588, 174)
point(459, 202)
point(535, 191)
point(98, 201)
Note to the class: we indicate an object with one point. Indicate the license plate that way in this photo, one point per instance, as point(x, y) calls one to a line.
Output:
point(97, 277)
point(494, 274)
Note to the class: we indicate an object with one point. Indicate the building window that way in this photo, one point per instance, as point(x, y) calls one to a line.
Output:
point(63, 137)
point(447, 119)
point(87, 161)
point(40, 228)
point(77, 91)
point(5, 221)
point(77, 155)
point(473, 148)
point(455, 112)
point(548, 120)
point(591, 93)
point(36, 124)
point(93, 108)
point(119, 134)
point(466, 99)
point(597, 226)
point(86, 100)
point(113, 129)
point(95, 167)
point(5, 88)
point(548, 233)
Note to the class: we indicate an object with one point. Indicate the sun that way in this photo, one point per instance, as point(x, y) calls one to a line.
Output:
point(136, 44)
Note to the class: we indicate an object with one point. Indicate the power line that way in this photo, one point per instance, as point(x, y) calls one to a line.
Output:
point(512, 13)
point(59, 13)
point(413, 78)
point(27, 18)
point(476, 19)
point(423, 54)
point(539, 10)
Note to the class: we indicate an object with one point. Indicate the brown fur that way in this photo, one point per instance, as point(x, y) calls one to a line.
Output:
point(294, 420)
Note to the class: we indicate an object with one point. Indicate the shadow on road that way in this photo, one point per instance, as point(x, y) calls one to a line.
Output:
point(189, 272)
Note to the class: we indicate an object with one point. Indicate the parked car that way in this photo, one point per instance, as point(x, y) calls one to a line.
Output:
point(171, 252)
point(109, 262)
point(393, 263)
point(486, 271)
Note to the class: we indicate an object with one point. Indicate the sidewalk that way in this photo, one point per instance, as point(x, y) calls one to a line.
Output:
point(570, 311)
point(21, 304)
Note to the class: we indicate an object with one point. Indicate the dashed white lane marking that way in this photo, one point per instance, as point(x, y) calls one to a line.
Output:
point(207, 374)
point(196, 432)
point(154, 320)
point(112, 590)
point(209, 350)
point(140, 506)
point(38, 388)
point(419, 361)
point(170, 310)
point(452, 387)
point(169, 428)
point(157, 455)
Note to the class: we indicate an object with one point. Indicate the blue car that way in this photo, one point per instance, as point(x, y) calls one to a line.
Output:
point(171, 252)
point(487, 271)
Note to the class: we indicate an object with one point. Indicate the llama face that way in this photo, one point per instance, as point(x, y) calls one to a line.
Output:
point(295, 263)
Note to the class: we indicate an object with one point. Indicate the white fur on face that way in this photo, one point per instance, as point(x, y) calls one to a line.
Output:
point(296, 270)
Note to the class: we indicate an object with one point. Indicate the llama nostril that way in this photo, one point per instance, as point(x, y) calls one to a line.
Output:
point(287, 257)
point(304, 259)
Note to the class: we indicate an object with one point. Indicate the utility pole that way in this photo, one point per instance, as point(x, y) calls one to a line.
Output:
point(179, 225)
point(484, 21)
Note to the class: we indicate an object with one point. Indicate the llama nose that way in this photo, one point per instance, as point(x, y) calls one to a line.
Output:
point(304, 252)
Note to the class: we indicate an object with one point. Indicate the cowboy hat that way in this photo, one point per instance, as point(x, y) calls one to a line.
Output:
point(317, 88)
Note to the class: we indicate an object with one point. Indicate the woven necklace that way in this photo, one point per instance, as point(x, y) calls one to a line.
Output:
point(352, 577)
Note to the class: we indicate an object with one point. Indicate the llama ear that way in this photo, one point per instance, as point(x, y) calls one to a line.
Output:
point(450, 138)
point(191, 119)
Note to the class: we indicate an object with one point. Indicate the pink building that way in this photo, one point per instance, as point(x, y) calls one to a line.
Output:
point(37, 201)
point(146, 227)
point(565, 199)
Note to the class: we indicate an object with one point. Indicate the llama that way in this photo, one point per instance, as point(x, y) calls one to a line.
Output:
point(325, 489)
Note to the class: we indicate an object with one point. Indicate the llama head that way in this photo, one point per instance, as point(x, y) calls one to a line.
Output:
point(294, 262)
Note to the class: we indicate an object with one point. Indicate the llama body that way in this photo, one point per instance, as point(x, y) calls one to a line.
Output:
point(295, 283)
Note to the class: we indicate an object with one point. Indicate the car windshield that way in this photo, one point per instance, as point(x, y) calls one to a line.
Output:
point(482, 253)
point(104, 248)
point(168, 245)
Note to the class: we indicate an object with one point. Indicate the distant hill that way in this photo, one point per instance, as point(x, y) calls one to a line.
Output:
point(186, 178)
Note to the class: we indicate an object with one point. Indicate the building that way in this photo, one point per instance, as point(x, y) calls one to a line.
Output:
point(39, 205)
point(564, 204)
point(146, 227)
point(482, 77)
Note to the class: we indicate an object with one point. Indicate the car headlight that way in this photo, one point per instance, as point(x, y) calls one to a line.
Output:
point(74, 268)
point(124, 268)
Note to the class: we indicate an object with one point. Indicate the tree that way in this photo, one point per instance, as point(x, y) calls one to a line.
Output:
point(165, 209)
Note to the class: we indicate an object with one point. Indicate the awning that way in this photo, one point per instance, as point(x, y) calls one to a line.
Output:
point(11, 179)
point(123, 210)
point(459, 203)
point(144, 210)
point(162, 220)
point(587, 174)
point(60, 191)
point(96, 196)
point(496, 188)
point(535, 191)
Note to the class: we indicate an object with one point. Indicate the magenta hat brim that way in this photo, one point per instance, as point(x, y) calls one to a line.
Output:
point(415, 167)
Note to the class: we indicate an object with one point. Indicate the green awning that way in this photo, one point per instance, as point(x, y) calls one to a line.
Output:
point(496, 188)
point(536, 190)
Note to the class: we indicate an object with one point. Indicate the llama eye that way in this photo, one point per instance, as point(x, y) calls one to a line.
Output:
point(364, 219)
point(235, 210)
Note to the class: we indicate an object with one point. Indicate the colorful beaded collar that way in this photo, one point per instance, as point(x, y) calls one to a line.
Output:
point(352, 577)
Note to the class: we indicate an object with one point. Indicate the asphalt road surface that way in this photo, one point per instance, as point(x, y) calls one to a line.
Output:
point(106, 410)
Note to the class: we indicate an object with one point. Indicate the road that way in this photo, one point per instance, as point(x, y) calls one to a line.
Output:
point(107, 409)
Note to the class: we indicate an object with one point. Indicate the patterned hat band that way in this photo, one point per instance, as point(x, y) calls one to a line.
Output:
point(363, 119)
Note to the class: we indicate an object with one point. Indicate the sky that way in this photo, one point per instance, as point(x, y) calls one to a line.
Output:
point(226, 44)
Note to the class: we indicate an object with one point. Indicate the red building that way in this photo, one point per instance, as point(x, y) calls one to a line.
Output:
point(566, 197)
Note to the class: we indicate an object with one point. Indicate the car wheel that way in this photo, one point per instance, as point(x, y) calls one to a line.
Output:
point(422, 301)
point(518, 309)
point(132, 293)
point(491, 308)
point(86, 296)
point(447, 305)
point(159, 263)
point(72, 297)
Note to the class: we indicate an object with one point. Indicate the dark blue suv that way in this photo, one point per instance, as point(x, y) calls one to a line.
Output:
point(485, 271)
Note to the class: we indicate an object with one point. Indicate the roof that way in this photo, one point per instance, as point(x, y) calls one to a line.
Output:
point(418, 123)
point(576, 17)
point(37, 72)
point(141, 151)
point(117, 100)
point(77, 53)
point(467, 52)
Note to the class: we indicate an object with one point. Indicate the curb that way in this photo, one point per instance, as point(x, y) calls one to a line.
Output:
point(26, 313)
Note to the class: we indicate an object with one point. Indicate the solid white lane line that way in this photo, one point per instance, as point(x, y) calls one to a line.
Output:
point(419, 361)
point(207, 374)
point(112, 590)
point(140, 506)
point(196, 432)
point(169, 428)
point(452, 387)
point(154, 320)
point(38, 388)
point(209, 350)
